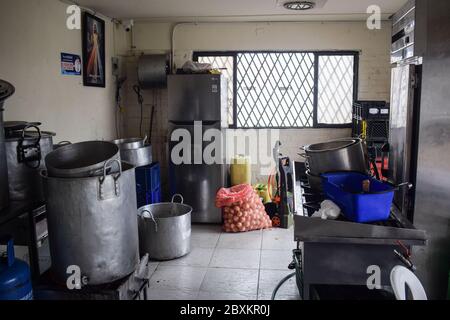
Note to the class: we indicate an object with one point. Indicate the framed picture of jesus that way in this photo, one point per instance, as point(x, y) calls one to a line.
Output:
point(93, 51)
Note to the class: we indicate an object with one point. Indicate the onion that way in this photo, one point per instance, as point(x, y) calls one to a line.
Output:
point(240, 214)
point(235, 218)
point(239, 225)
point(236, 209)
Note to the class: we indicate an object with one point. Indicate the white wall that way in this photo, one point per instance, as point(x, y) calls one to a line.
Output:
point(33, 33)
point(155, 37)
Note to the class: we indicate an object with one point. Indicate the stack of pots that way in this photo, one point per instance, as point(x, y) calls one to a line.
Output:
point(6, 90)
point(26, 148)
point(91, 208)
point(135, 151)
point(337, 155)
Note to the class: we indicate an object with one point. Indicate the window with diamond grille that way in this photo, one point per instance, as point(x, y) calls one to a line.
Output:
point(275, 89)
point(335, 89)
point(288, 89)
point(226, 66)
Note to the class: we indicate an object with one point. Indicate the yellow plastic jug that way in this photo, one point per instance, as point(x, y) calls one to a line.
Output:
point(240, 170)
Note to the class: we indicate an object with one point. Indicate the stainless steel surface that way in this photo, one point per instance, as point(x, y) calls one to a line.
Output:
point(82, 159)
point(130, 143)
point(401, 132)
point(432, 200)
point(315, 181)
point(92, 224)
point(198, 183)
point(138, 157)
point(24, 179)
point(165, 230)
point(336, 155)
point(198, 97)
point(6, 90)
point(152, 71)
point(403, 32)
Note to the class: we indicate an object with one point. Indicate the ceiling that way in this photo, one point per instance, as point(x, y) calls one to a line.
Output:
point(262, 10)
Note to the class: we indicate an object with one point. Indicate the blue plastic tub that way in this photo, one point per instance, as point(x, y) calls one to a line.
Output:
point(346, 190)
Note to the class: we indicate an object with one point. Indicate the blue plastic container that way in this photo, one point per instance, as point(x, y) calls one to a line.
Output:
point(148, 184)
point(15, 278)
point(346, 190)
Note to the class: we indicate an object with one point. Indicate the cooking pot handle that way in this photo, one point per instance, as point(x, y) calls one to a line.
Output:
point(178, 195)
point(303, 155)
point(153, 218)
point(105, 165)
point(64, 143)
point(103, 178)
point(22, 156)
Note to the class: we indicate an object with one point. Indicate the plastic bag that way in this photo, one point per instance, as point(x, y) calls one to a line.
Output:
point(328, 210)
point(242, 209)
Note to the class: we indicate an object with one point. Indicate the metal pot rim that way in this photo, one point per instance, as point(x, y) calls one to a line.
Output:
point(72, 172)
point(350, 142)
point(149, 206)
point(125, 168)
point(44, 135)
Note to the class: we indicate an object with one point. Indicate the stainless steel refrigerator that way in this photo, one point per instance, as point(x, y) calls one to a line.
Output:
point(194, 98)
point(420, 130)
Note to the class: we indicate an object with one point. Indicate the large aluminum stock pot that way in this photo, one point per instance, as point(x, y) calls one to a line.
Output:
point(26, 148)
point(6, 90)
point(92, 224)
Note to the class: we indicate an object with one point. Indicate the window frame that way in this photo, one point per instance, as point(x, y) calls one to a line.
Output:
point(316, 124)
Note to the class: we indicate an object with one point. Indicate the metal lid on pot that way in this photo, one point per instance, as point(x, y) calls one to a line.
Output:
point(6, 90)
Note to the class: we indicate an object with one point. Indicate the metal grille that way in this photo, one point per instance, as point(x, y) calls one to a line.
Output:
point(335, 89)
point(225, 63)
point(275, 89)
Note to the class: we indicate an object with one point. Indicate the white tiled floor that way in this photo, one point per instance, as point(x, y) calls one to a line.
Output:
point(221, 266)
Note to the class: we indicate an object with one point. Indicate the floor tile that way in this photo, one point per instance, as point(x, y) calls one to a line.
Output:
point(278, 239)
point(205, 295)
point(198, 257)
point(245, 240)
point(177, 278)
point(207, 228)
point(163, 294)
point(241, 281)
point(276, 259)
point(236, 258)
point(152, 265)
point(205, 236)
point(268, 280)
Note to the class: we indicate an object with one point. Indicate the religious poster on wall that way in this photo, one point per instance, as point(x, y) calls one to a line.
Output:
point(93, 51)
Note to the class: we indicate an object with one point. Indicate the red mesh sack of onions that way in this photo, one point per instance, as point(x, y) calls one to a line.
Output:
point(242, 209)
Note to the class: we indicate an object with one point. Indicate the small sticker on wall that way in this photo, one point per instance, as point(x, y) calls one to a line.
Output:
point(215, 88)
point(70, 64)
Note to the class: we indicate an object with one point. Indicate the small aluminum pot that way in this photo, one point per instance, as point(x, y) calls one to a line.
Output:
point(130, 143)
point(138, 157)
point(337, 155)
point(165, 230)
